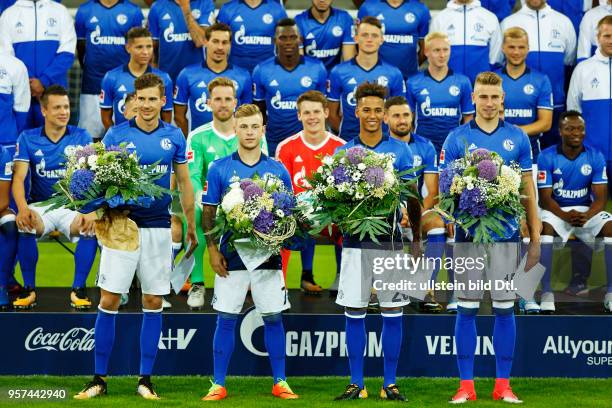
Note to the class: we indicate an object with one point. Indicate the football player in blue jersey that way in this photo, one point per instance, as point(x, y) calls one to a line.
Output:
point(327, 33)
point(232, 279)
point(280, 80)
point(488, 131)
point(552, 51)
point(8, 228)
point(170, 26)
point(191, 88)
point(440, 97)
point(528, 100)
point(162, 144)
point(41, 152)
point(101, 27)
point(399, 118)
point(347, 76)
point(356, 276)
point(118, 82)
point(405, 26)
point(253, 24)
point(573, 182)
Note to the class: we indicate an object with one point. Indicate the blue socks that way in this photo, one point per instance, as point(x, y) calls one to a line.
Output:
point(465, 340)
point(150, 332)
point(104, 337)
point(84, 257)
point(391, 343)
point(27, 252)
point(355, 344)
point(8, 243)
point(608, 259)
point(436, 241)
point(223, 345)
point(274, 338)
point(546, 258)
point(504, 335)
point(307, 254)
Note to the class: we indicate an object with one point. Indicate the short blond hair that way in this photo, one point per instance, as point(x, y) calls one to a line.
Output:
point(221, 81)
point(436, 35)
point(246, 110)
point(515, 33)
point(488, 78)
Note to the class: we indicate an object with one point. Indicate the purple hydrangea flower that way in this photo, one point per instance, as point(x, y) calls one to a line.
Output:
point(375, 176)
point(113, 149)
point(446, 179)
point(355, 155)
point(487, 170)
point(86, 151)
point(481, 154)
point(264, 221)
point(252, 190)
point(245, 183)
point(80, 182)
point(473, 202)
point(340, 175)
point(284, 201)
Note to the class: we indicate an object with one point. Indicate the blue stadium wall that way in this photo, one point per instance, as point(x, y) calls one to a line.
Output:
point(62, 344)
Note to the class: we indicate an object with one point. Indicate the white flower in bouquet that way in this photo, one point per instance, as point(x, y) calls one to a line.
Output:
point(233, 198)
point(82, 161)
point(327, 160)
point(330, 179)
point(512, 175)
point(361, 166)
point(389, 177)
point(92, 162)
point(356, 176)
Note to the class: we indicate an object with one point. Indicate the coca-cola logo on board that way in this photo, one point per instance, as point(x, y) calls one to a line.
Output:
point(75, 339)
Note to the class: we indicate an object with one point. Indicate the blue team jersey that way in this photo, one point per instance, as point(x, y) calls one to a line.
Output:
point(103, 29)
point(510, 142)
point(403, 26)
point(325, 40)
point(192, 88)
point(523, 97)
point(167, 25)
point(439, 105)
point(218, 180)
point(252, 30)
point(344, 80)
point(281, 88)
point(571, 180)
point(165, 146)
point(46, 158)
point(501, 8)
point(118, 82)
point(6, 165)
point(424, 154)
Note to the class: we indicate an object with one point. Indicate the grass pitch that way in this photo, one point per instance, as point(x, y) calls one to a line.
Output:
point(254, 392)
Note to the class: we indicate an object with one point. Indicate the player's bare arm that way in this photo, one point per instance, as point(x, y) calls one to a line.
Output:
point(195, 30)
point(217, 260)
point(180, 118)
point(26, 218)
point(335, 116)
point(549, 204)
point(533, 221)
point(600, 192)
point(181, 172)
point(107, 117)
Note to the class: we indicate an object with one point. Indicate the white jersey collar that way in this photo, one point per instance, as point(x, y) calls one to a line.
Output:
point(459, 7)
point(600, 57)
point(534, 13)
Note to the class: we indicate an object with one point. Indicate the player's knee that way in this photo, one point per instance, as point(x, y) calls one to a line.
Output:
point(272, 317)
point(110, 301)
point(8, 227)
point(503, 307)
point(151, 302)
point(391, 311)
point(431, 221)
point(547, 229)
point(468, 307)
point(355, 313)
point(606, 231)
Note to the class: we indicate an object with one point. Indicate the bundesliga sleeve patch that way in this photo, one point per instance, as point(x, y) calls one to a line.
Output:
point(541, 177)
point(442, 156)
point(102, 95)
point(190, 156)
point(205, 187)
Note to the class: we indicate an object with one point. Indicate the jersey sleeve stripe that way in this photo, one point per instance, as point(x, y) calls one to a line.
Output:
point(106, 106)
point(546, 107)
point(179, 103)
point(208, 203)
point(21, 160)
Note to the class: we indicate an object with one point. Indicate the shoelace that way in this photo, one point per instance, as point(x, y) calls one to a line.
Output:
point(284, 384)
point(213, 386)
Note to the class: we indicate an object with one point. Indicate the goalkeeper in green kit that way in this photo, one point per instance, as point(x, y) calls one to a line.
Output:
point(205, 144)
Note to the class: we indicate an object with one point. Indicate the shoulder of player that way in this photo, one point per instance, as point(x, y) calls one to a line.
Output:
point(77, 131)
point(550, 151)
point(457, 77)
point(594, 154)
point(201, 130)
point(418, 139)
point(337, 140)
point(113, 73)
point(340, 12)
point(30, 133)
point(459, 131)
point(314, 62)
point(486, 14)
point(560, 19)
point(266, 64)
point(289, 142)
point(342, 67)
point(162, 74)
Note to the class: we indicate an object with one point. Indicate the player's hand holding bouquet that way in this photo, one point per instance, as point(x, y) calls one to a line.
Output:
point(109, 179)
point(260, 215)
point(482, 195)
point(359, 190)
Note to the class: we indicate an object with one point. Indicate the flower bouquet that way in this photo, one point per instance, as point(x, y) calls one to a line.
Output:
point(482, 195)
point(260, 215)
point(359, 190)
point(107, 178)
